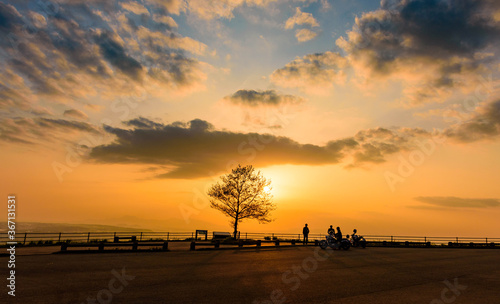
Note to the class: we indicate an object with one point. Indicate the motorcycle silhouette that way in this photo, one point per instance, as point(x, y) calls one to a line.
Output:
point(358, 240)
point(332, 242)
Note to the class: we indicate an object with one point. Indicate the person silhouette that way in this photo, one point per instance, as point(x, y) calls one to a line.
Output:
point(305, 232)
point(339, 234)
point(331, 230)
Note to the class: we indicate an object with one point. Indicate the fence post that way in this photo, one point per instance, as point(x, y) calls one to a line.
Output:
point(391, 239)
point(425, 239)
point(59, 237)
point(246, 235)
point(88, 238)
point(168, 234)
point(457, 239)
point(140, 238)
point(25, 234)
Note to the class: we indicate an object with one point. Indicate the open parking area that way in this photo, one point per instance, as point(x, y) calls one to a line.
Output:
point(267, 275)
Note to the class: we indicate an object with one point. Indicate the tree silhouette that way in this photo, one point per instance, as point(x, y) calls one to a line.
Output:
point(243, 194)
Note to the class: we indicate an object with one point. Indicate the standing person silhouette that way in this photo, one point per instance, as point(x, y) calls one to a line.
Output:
point(305, 232)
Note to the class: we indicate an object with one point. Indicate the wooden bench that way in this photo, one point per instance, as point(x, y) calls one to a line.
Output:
point(193, 245)
point(101, 246)
point(221, 235)
point(132, 238)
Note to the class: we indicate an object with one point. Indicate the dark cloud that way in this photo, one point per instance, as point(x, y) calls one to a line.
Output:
point(457, 202)
point(9, 17)
point(444, 37)
point(425, 28)
point(76, 114)
point(143, 123)
point(116, 55)
point(254, 98)
point(197, 149)
point(431, 46)
point(483, 125)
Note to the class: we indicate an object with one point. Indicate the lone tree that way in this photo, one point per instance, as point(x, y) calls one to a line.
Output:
point(243, 194)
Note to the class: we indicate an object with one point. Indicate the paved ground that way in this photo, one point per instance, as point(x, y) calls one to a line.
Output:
point(267, 275)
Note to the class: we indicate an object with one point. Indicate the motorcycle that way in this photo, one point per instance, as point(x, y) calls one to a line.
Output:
point(331, 242)
point(358, 241)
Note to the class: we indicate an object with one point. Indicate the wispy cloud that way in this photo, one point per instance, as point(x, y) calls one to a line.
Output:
point(458, 202)
point(75, 114)
point(304, 35)
point(41, 130)
point(314, 73)
point(253, 98)
point(301, 18)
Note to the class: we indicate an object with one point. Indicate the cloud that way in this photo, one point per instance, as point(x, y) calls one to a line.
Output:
point(428, 45)
point(159, 39)
point(207, 10)
point(312, 73)
point(457, 202)
point(196, 149)
point(417, 29)
point(301, 18)
point(374, 145)
point(115, 54)
point(254, 98)
point(90, 49)
point(75, 114)
point(165, 19)
point(40, 130)
point(304, 35)
point(485, 124)
point(135, 8)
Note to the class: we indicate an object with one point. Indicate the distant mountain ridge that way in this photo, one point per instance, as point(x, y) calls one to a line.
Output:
point(22, 227)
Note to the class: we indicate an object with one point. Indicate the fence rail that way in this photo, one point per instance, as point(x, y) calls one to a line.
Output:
point(27, 238)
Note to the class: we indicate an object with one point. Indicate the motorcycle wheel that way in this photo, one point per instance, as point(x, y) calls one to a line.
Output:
point(345, 246)
point(363, 244)
point(323, 244)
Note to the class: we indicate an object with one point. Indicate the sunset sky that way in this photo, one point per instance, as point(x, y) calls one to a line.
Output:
point(381, 116)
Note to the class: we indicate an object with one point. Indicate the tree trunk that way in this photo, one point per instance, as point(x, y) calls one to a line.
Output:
point(235, 226)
